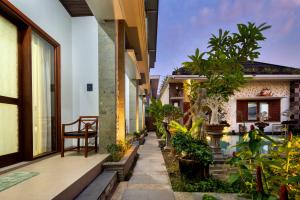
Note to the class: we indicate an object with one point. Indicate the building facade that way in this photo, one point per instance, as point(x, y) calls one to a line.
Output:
point(63, 59)
point(272, 89)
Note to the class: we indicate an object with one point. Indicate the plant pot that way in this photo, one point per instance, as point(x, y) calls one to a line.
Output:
point(193, 169)
point(215, 127)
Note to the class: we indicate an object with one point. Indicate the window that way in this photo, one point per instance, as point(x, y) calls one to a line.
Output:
point(264, 110)
point(251, 110)
point(9, 94)
point(29, 88)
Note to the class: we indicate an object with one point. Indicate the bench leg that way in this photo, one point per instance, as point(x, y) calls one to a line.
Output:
point(96, 144)
point(62, 146)
point(86, 146)
point(78, 144)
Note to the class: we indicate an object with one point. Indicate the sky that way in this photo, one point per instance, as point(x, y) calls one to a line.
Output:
point(184, 25)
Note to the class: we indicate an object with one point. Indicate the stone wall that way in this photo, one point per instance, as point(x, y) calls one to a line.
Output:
point(295, 98)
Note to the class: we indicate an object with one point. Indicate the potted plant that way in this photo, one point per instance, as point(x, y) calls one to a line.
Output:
point(195, 156)
point(194, 153)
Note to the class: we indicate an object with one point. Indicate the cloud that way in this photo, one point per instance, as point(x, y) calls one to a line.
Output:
point(205, 12)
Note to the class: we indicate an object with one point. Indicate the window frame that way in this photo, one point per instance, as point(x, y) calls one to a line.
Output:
point(244, 112)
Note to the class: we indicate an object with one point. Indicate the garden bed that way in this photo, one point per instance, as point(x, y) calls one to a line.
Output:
point(180, 184)
point(126, 163)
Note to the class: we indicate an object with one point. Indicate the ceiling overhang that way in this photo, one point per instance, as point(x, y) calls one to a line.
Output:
point(77, 8)
point(133, 13)
point(151, 7)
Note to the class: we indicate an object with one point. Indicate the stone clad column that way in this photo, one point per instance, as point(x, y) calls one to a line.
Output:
point(111, 83)
point(120, 58)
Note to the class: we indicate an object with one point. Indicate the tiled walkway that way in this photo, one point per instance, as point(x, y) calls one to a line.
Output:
point(150, 178)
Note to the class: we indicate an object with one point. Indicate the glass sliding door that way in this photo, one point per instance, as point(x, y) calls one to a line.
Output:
point(9, 97)
point(42, 95)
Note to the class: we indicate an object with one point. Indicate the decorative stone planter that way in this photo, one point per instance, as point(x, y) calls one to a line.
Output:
point(215, 133)
point(123, 166)
point(193, 169)
point(261, 126)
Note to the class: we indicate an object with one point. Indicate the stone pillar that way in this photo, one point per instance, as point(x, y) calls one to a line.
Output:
point(132, 107)
point(111, 83)
point(120, 62)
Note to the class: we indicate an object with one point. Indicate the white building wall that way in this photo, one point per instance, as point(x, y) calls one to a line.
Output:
point(140, 113)
point(251, 90)
point(127, 111)
point(165, 97)
point(85, 66)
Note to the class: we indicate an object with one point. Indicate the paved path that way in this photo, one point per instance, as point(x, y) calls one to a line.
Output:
point(150, 178)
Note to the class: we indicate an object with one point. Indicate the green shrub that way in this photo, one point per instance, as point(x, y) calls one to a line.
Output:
point(191, 148)
point(137, 134)
point(208, 197)
point(118, 150)
point(207, 185)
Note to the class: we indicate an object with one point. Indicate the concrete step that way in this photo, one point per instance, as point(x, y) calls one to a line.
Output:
point(100, 188)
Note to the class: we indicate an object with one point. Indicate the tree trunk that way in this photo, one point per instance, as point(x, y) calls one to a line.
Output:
point(214, 116)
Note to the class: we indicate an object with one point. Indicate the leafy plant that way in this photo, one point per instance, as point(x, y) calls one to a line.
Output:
point(118, 150)
point(208, 197)
point(137, 134)
point(171, 112)
point(205, 185)
point(190, 148)
point(279, 168)
point(222, 63)
point(162, 112)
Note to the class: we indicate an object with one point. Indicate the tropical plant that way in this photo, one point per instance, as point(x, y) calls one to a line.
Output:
point(171, 112)
point(156, 111)
point(222, 63)
point(195, 131)
point(193, 149)
point(208, 197)
point(137, 134)
point(277, 169)
point(162, 112)
point(118, 150)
